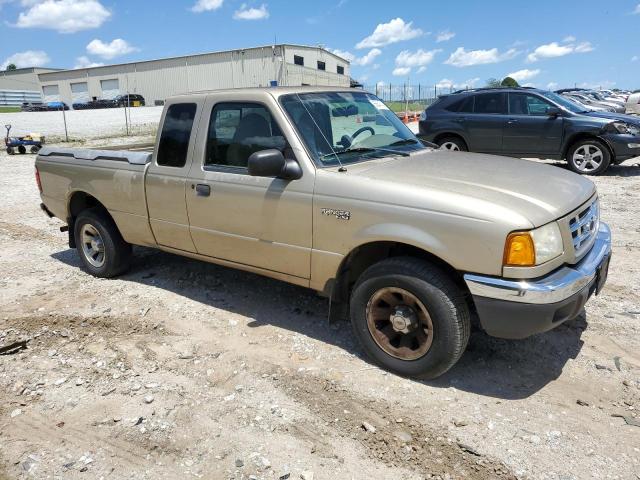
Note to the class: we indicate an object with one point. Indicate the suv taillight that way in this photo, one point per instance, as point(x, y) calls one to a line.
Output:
point(38, 180)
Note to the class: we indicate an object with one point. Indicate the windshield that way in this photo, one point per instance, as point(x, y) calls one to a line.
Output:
point(346, 127)
point(565, 102)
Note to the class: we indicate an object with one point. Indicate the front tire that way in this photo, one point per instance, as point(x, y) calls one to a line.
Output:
point(589, 157)
point(453, 143)
point(410, 317)
point(101, 248)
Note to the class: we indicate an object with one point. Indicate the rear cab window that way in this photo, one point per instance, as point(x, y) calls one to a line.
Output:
point(175, 135)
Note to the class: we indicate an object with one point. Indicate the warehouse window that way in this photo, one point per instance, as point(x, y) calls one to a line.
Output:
point(321, 65)
point(176, 132)
point(298, 60)
point(340, 70)
point(236, 130)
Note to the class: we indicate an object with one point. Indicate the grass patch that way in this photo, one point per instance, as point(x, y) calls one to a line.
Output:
point(9, 109)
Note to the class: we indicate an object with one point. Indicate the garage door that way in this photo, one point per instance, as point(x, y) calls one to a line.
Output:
point(80, 92)
point(51, 93)
point(110, 88)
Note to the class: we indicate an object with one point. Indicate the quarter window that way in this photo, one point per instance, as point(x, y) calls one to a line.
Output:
point(298, 60)
point(236, 130)
point(490, 103)
point(176, 132)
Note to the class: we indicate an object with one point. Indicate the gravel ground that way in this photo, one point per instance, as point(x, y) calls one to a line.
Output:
point(181, 369)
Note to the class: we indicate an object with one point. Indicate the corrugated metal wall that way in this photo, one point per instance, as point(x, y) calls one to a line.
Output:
point(158, 79)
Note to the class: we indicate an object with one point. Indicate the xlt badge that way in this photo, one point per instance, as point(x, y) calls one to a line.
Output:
point(339, 214)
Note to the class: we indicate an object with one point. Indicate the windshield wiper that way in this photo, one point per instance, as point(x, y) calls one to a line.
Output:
point(365, 150)
point(405, 141)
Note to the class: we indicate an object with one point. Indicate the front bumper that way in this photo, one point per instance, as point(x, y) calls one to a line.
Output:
point(624, 146)
point(519, 308)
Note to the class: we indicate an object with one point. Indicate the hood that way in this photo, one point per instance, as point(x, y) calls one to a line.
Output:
point(621, 117)
point(540, 193)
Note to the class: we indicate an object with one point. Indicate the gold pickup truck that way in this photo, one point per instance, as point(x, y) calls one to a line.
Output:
point(327, 189)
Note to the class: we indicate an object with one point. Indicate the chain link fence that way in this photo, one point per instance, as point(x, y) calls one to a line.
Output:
point(403, 96)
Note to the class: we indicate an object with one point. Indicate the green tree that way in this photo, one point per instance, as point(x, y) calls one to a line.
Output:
point(509, 82)
point(493, 82)
point(11, 66)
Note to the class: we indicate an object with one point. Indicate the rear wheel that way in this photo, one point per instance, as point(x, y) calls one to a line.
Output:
point(589, 157)
point(410, 317)
point(22, 150)
point(102, 249)
point(34, 149)
point(11, 151)
point(452, 143)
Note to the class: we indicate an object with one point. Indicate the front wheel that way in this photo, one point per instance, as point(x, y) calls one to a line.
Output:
point(410, 317)
point(452, 143)
point(589, 157)
point(102, 249)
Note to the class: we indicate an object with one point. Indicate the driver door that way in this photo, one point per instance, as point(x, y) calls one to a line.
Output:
point(256, 221)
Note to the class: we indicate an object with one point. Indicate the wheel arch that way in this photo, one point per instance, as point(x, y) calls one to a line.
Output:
point(78, 202)
point(575, 138)
point(442, 135)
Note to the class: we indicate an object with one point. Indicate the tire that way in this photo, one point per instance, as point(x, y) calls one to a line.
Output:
point(21, 149)
point(11, 151)
point(116, 253)
point(34, 149)
point(596, 163)
point(453, 143)
point(434, 291)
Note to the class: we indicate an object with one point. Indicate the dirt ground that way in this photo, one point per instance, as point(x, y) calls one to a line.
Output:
point(181, 369)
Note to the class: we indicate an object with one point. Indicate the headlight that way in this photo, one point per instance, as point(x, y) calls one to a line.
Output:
point(535, 247)
point(624, 128)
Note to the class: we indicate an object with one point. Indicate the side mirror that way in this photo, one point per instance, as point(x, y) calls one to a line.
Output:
point(553, 112)
point(271, 163)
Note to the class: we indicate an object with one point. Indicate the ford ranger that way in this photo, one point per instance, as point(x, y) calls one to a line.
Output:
point(326, 188)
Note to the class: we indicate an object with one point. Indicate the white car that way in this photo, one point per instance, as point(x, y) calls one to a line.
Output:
point(633, 104)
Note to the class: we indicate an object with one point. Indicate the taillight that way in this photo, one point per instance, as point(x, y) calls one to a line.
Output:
point(38, 180)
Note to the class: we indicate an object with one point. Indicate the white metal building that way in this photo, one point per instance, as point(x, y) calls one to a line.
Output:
point(155, 80)
point(21, 85)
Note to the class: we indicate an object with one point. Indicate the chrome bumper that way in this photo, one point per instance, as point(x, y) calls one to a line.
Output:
point(553, 288)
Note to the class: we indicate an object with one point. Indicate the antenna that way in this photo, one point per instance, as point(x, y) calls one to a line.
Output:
point(342, 167)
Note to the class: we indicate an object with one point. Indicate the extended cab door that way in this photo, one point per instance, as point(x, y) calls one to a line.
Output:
point(529, 129)
point(166, 176)
point(485, 125)
point(257, 221)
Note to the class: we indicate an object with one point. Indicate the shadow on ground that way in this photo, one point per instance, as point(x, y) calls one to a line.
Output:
point(506, 369)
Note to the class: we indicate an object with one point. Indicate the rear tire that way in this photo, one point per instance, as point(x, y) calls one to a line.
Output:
point(34, 149)
point(453, 143)
point(443, 327)
point(11, 151)
point(22, 150)
point(589, 157)
point(101, 248)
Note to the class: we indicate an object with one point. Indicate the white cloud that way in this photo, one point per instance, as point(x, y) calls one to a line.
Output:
point(28, 58)
point(597, 85)
point(344, 54)
point(555, 49)
point(464, 58)
point(206, 5)
point(64, 16)
point(637, 10)
point(635, 58)
point(401, 71)
point(246, 13)
point(522, 75)
point(84, 62)
point(406, 60)
point(394, 31)
point(116, 48)
point(552, 86)
point(569, 39)
point(368, 58)
point(444, 36)
point(446, 83)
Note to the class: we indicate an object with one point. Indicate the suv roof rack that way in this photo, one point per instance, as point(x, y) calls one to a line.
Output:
point(483, 89)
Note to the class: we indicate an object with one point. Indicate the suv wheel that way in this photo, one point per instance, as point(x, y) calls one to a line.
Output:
point(455, 144)
point(410, 317)
point(589, 157)
point(102, 249)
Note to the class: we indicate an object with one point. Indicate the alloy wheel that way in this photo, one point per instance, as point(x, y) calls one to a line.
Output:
point(92, 245)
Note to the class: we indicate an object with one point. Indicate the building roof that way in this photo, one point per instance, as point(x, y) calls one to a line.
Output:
point(202, 54)
point(19, 71)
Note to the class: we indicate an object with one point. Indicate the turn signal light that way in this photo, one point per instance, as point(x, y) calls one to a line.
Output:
point(519, 250)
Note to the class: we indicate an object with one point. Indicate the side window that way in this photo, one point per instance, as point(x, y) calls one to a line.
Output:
point(523, 104)
point(490, 103)
point(176, 132)
point(236, 130)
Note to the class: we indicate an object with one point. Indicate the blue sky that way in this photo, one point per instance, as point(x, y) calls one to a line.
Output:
point(548, 44)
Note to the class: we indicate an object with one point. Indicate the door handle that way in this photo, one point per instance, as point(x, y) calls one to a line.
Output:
point(460, 119)
point(511, 121)
point(203, 190)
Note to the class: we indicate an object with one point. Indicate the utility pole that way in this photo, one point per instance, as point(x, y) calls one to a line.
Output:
point(64, 119)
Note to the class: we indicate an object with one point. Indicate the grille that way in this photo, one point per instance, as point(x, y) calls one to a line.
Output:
point(584, 227)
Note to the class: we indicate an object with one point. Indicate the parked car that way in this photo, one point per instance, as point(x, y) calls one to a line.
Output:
point(524, 122)
point(293, 183)
point(57, 106)
point(95, 104)
point(33, 107)
point(129, 100)
point(585, 106)
point(633, 104)
point(590, 101)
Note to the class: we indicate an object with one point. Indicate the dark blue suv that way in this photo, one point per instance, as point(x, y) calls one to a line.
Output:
point(527, 122)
